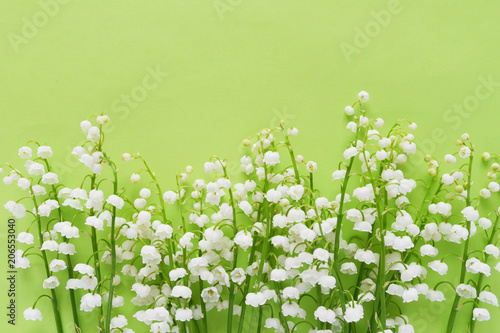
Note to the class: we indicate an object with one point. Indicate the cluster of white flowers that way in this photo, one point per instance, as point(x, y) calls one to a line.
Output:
point(254, 249)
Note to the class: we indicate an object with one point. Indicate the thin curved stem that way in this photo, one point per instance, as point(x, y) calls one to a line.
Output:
point(55, 306)
point(472, 322)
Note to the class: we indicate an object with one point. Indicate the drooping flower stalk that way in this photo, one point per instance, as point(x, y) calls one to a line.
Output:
point(235, 256)
point(340, 217)
point(113, 236)
point(465, 256)
point(290, 150)
point(54, 301)
point(248, 281)
point(472, 321)
point(171, 245)
point(200, 281)
point(95, 251)
point(381, 216)
point(162, 206)
point(68, 258)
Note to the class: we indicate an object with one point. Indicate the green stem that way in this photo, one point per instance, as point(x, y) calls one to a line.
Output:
point(381, 267)
point(259, 322)
point(249, 279)
point(340, 217)
point(203, 306)
point(454, 310)
point(55, 306)
point(292, 155)
point(280, 304)
point(68, 257)
point(95, 249)
point(265, 252)
point(320, 302)
point(420, 211)
point(182, 325)
point(71, 291)
point(235, 262)
point(164, 216)
point(113, 251)
point(72, 297)
point(472, 322)
point(311, 186)
point(39, 298)
point(203, 309)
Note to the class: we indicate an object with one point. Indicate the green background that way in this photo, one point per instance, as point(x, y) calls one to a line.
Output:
point(235, 67)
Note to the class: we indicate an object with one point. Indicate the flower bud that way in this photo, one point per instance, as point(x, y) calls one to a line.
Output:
point(102, 120)
point(85, 125)
point(363, 97)
point(135, 178)
point(126, 157)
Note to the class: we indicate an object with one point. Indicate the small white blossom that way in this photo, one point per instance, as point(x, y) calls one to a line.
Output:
point(50, 282)
point(118, 322)
point(183, 315)
point(324, 315)
point(44, 152)
point(438, 266)
point(363, 97)
point(57, 265)
point(480, 314)
point(181, 291)
point(488, 298)
point(170, 197)
point(89, 301)
point(271, 158)
point(466, 291)
point(353, 312)
point(255, 299)
point(25, 237)
point(243, 239)
point(492, 250)
point(116, 201)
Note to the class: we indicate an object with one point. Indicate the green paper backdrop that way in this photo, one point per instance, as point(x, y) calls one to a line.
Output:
point(183, 80)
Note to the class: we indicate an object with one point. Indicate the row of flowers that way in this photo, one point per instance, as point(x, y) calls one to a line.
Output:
point(270, 252)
